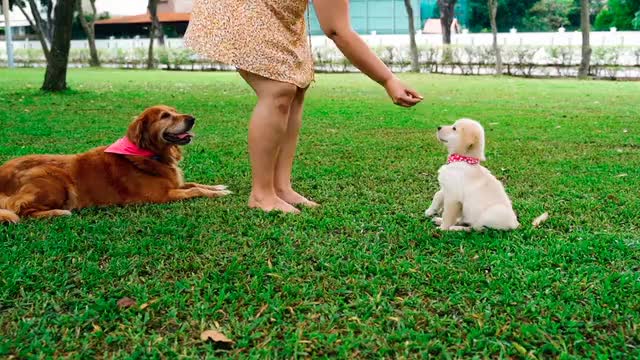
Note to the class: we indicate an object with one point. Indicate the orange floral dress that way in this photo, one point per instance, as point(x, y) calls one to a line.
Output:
point(265, 37)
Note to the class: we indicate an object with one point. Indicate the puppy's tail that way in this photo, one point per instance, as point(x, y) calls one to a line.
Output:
point(499, 217)
point(6, 215)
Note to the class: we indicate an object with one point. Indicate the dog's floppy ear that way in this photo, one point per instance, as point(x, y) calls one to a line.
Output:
point(138, 131)
point(474, 144)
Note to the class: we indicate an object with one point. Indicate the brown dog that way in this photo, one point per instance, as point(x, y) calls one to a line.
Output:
point(140, 168)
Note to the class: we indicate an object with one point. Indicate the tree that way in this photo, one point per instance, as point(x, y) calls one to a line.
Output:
point(493, 11)
point(447, 12)
point(621, 14)
point(415, 62)
point(512, 13)
point(55, 78)
point(548, 15)
point(595, 6)
point(583, 71)
point(43, 27)
point(155, 31)
point(89, 28)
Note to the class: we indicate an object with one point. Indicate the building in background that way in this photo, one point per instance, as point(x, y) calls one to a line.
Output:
point(173, 14)
point(19, 24)
point(175, 6)
point(367, 17)
point(376, 16)
point(429, 10)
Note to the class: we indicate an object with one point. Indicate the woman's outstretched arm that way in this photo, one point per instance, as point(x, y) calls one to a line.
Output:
point(334, 20)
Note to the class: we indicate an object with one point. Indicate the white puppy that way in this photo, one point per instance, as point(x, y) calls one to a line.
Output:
point(470, 197)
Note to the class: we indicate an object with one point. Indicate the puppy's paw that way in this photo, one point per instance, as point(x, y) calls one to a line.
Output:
point(437, 221)
point(430, 212)
point(460, 228)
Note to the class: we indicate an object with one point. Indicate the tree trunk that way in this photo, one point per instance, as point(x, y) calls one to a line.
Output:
point(154, 31)
point(89, 29)
point(55, 78)
point(37, 29)
point(159, 30)
point(493, 11)
point(415, 62)
point(49, 23)
point(583, 71)
point(447, 8)
point(44, 26)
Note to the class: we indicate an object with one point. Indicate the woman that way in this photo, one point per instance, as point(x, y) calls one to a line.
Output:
point(266, 40)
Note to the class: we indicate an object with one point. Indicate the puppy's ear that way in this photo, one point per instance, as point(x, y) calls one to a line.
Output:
point(474, 143)
point(469, 140)
point(138, 131)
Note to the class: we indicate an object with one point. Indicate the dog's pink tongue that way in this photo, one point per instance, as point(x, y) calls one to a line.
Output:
point(184, 135)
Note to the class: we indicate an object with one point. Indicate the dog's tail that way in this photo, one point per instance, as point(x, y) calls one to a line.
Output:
point(6, 215)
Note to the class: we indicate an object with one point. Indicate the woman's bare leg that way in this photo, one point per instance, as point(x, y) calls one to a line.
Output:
point(266, 132)
point(284, 164)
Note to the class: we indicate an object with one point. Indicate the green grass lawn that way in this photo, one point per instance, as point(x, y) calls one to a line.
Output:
point(365, 275)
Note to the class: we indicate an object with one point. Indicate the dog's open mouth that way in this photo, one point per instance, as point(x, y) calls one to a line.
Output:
point(178, 139)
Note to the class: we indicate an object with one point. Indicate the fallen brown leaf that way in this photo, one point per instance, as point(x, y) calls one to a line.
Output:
point(613, 198)
point(217, 337)
point(126, 302)
point(540, 219)
point(146, 305)
point(262, 309)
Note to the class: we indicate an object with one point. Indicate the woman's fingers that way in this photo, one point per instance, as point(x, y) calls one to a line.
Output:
point(414, 94)
point(407, 101)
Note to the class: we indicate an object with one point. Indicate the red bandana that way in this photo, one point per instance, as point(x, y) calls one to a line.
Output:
point(125, 146)
point(461, 158)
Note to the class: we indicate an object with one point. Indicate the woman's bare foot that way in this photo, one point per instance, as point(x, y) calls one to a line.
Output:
point(295, 199)
point(272, 204)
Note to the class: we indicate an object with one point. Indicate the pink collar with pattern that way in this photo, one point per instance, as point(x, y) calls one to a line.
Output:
point(461, 158)
point(124, 146)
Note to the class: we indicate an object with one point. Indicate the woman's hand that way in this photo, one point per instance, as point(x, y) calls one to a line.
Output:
point(401, 94)
point(333, 16)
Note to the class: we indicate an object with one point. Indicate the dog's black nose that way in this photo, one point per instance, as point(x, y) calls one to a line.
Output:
point(439, 128)
point(190, 120)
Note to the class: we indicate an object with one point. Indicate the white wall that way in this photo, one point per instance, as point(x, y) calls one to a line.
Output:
point(621, 38)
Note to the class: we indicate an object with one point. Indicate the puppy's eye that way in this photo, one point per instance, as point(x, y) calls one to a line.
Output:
point(165, 115)
point(454, 128)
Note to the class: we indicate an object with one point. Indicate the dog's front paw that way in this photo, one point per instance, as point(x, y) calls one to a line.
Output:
point(223, 192)
point(430, 212)
point(215, 194)
point(459, 228)
point(437, 221)
point(219, 187)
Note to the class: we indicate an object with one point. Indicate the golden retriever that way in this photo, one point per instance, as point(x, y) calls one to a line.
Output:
point(42, 186)
point(470, 197)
